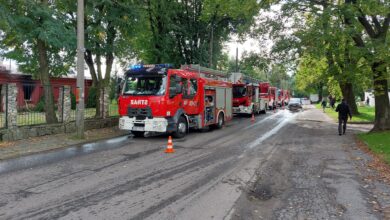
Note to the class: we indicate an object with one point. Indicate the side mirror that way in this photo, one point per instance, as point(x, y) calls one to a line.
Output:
point(120, 87)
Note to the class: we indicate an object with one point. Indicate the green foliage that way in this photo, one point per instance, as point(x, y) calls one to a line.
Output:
point(254, 65)
point(311, 74)
point(73, 103)
point(182, 32)
point(40, 106)
point(378, 143)
point(23, 23)
point(91, 99)
point(114, 86)
point(317, 34)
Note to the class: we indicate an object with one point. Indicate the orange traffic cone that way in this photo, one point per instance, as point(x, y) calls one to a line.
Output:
point(169, 146)
point(253, 118)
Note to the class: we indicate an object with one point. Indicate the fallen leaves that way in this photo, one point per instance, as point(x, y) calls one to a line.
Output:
point(377, 163)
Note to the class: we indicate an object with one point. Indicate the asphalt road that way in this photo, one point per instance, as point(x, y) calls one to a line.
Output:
point(283, 166)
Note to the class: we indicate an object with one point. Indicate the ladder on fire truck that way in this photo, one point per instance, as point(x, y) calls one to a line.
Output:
point(220, 75)
point(206, 72)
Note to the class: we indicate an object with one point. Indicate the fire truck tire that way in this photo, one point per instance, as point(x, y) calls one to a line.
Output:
point(221, 121)
point(138, 133)
point(264, 111)
point(181, 129)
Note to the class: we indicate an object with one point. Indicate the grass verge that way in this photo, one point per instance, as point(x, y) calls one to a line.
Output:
point(379, 143)
point(367, 114)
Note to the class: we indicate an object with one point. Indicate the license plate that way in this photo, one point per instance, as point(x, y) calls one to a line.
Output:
point(138, 128)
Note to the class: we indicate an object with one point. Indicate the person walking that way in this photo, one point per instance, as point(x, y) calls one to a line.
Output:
point(344, 112)
point(323, 104)
point(368, 101)
point(332, 102)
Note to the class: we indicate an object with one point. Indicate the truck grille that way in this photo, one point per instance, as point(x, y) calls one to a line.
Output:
point(139, 113)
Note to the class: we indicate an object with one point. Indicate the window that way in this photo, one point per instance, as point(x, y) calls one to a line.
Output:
point(239, 91)
point(184, 83)
point(27, 91)
point(190, 87)
point(154, 85)
point(172, 81)
point(193, 87)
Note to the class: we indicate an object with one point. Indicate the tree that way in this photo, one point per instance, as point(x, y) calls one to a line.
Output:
point(319, 28)
point(255, 65)
point(310, 75)
point(374, 18)
point(191, 31)
point(108, 33)
point(35, 34)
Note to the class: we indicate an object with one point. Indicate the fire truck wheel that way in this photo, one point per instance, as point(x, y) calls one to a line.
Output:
point(181, 129)
point(221, 121)
point(138, 133)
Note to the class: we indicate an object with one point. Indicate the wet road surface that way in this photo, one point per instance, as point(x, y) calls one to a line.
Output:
point(220, 174)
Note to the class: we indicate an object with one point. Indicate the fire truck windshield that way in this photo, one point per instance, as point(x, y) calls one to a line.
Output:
point(239, 91)
point(150, 85)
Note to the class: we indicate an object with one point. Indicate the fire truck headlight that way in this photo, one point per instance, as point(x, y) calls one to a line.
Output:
point(156, 125)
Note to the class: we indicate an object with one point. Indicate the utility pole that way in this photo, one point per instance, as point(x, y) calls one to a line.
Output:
point(80, 69)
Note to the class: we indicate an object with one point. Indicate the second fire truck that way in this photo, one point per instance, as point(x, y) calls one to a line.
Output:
point(246, 95)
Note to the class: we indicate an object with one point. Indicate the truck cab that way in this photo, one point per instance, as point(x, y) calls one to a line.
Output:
point(246, 98)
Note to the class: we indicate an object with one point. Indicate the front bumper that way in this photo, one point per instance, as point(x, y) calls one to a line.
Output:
point(152, 125)
point(242, 109)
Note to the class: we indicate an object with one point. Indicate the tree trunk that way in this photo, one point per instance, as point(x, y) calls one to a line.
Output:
point(50, 114)
point(98, 86)
point(211, 46)
point(382, 105)
point(347, 91)
point(320, 91)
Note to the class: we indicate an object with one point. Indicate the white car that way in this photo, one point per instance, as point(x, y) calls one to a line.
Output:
point(294, 104)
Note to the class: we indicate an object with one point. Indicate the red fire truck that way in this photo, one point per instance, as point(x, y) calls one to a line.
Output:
point(264, 94)
point(274, 97)
point(287, 97)
point(284, 96)
point(158, 98)
point(246, 99)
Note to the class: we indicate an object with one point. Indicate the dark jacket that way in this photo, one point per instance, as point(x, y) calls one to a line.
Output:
point(343, 110)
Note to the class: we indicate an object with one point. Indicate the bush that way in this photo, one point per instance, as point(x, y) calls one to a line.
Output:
point(91, 99)
point(72, 101)
point(40, 106)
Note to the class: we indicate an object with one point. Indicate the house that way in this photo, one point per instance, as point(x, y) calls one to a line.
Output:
point(31, 90)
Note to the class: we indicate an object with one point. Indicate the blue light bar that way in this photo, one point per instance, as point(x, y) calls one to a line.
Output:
point(140, 66)
point(163, 65)
point(136, 66)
